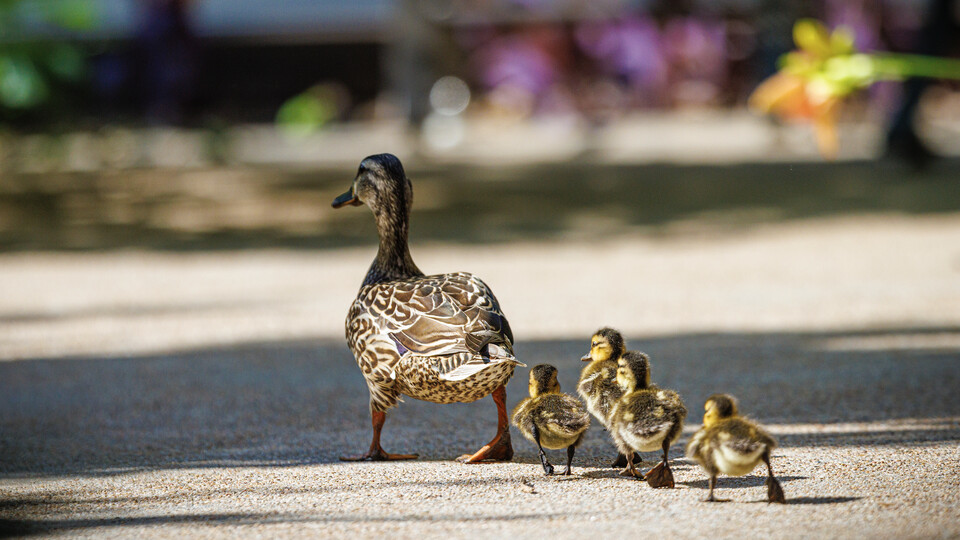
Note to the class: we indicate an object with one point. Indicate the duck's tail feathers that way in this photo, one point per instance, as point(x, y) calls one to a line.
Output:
point(476, 365)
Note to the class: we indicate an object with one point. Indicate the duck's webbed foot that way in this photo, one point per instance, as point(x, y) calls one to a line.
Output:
point(660, 476)
point(774, 491)
point(621, 461)
point(376, 453)
point(379, 455)
point(500, 448)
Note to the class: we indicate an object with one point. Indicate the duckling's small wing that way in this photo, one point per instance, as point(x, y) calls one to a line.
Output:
point(695, 444)
point(565, 414)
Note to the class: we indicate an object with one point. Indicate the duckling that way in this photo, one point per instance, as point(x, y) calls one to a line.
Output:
point(598, 380)
point(645, 418)
point(549, 418)
point(733, 445)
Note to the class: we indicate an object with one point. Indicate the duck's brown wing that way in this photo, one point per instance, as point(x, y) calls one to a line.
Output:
point(450, 313)
point(455, 316)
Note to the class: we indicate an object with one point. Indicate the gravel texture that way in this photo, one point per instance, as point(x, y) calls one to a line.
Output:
point(160, 395)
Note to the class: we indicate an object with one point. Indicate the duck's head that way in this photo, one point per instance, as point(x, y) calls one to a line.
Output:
point(719, 407)
point(543, 380)
point(380, 184)
point(605, 344)
point(633, 371)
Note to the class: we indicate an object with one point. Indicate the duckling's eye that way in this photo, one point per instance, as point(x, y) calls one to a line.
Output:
point(594, 344)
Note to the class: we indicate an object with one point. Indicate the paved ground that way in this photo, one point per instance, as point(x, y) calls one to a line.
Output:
point(210, 393)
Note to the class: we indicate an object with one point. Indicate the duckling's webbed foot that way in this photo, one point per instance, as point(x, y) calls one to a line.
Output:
point(630, 469)
point(660, 476)
point(710, 497)
point(571, 450)
point(774, 491)
point(547, 467)
point(621, 461)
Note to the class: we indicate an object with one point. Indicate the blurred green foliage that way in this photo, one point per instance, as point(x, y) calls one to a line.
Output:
point(38, 50)
point(310, 111)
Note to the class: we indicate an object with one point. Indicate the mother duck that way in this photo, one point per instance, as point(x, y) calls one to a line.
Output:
point(440, 338)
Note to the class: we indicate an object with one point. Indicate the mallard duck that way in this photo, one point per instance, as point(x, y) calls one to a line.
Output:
point(549, 418)
point(645, 419)
point(598, 380)
point(731, 444)
point(440, 338)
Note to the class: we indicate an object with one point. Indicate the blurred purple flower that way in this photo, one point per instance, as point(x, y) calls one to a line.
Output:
point(517, 61)
point(630, 48)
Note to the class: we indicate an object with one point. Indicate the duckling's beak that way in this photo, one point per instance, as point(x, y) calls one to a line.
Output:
point(586, 358)
point(345, 199)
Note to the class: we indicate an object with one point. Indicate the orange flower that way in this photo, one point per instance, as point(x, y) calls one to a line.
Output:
point(793, 98)
point(812, 81)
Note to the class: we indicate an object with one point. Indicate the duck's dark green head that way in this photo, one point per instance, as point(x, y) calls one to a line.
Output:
point(605, 344)
point(718, 407)
point(380, 184)
point(633, 371)
point(543, 380)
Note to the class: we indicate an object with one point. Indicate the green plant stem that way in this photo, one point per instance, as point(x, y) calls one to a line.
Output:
point(901, 66)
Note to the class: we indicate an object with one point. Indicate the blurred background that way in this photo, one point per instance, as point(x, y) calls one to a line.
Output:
point(185, 123)
point(211, 126)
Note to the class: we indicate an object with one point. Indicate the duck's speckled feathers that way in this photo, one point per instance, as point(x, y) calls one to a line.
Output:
point(441, 338)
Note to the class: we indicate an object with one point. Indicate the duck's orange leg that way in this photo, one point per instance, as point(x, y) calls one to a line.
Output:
point(499, 449)
point(376, 453)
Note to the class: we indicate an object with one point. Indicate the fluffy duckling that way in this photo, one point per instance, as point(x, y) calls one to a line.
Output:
point(549, 418)
point(731, 444)
point(645, 419)
point(598, 380)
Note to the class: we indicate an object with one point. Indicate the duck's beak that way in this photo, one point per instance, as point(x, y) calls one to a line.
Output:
point(345, 199)
point(586, 358)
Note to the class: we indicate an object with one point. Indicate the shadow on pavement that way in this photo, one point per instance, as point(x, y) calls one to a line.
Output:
point(12, 527)
point(750, 481)
point(300, 403)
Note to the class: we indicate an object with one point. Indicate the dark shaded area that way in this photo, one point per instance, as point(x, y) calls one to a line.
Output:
point(821, 500)
point(294, 403)
point(241, 208)
point(750, 481)
point(11, 527)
